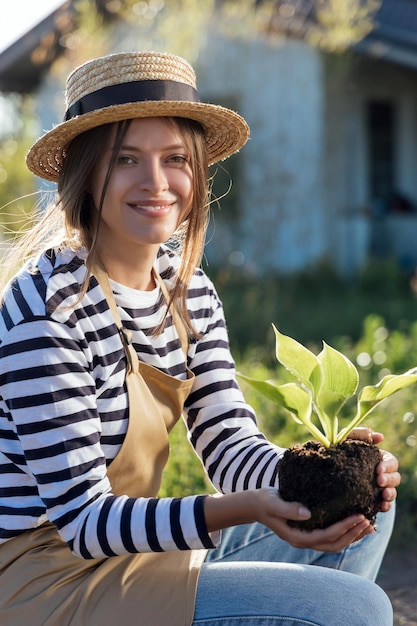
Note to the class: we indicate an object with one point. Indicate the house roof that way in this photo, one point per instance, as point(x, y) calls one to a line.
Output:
point(393, 38)
point(23, 64)
point(395, 35)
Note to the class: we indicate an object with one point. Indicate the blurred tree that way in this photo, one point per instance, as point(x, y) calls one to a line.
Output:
point(182, 26)
point(342, 23)
point(16, 183)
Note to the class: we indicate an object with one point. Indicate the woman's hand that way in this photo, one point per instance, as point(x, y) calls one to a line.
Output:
point(388, 476)
point(275, 513)
point(267, 507)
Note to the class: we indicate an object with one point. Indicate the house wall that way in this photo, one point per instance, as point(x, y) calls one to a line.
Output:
point(279, 92)
point(345, 165)
point(353, 227)
point(50, 108)
point(304, 178)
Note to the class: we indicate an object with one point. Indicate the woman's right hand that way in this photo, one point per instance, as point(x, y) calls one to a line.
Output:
point(267, 507)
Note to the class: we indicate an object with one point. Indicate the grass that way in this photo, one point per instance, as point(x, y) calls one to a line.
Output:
point(313, 306)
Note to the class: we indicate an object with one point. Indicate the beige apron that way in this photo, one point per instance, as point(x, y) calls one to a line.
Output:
point(43, 584)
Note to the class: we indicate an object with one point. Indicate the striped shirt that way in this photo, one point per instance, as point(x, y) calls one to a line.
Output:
point(63, 409)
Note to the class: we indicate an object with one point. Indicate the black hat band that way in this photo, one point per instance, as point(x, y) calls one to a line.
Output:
point(135, 91)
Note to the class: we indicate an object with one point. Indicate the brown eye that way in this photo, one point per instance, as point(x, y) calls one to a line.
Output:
point(124, 159)
point(179, 159)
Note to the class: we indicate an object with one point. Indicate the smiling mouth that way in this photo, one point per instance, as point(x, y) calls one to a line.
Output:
point(152, 208)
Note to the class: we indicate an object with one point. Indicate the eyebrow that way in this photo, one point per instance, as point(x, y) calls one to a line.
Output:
point(175, 146)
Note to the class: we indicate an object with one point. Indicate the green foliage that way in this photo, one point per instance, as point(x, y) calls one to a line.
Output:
point(324, 384)
point(17, 184)
point(312, 306)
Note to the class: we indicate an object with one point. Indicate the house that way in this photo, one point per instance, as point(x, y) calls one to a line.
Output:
point(329, 174)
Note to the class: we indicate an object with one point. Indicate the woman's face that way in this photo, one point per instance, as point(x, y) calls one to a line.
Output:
point(150, 190)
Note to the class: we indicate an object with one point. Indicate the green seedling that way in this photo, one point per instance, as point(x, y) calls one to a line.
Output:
point(324, 384)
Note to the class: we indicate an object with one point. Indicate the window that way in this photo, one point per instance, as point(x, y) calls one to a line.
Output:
point(381, 146)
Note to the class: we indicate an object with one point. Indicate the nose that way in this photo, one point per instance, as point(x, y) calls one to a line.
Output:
point(152, 175)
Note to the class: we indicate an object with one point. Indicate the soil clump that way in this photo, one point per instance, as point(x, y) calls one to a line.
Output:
point(332, 482)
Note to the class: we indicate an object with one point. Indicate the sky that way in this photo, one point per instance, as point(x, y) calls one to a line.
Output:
point(21, 16)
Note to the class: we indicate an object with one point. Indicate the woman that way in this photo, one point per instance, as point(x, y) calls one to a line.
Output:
point(108, 334)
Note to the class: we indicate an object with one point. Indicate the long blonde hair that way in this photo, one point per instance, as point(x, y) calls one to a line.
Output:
point(72, 220)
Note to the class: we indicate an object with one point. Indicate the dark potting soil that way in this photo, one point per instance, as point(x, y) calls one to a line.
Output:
point(332, 482)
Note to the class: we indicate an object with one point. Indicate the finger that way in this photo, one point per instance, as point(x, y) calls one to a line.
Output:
point(388, 497)
point(339, 544)
point(354, 534)
point(389, 494)
point(385, 506)
point(365, 433)
point(377, 438)
point(390, 479)
point(335, 537)
point(389, 463)
point(348, 529)
point(362, 432)
point(291, 510)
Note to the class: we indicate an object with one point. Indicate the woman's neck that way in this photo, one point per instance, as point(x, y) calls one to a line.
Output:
point(132, 270)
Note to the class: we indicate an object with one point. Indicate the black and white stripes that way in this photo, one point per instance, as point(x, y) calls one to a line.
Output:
point(63, 410)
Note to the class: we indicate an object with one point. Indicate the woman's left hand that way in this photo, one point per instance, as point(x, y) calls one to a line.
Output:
point(388, 476)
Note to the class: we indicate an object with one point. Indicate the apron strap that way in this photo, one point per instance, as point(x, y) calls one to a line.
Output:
point(177, 319)
point(125, 335)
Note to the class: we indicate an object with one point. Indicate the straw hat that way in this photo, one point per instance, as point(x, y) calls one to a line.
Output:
point(129, 85)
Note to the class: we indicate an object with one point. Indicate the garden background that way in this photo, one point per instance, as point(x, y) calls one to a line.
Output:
point(371, 316)
point(372, 320)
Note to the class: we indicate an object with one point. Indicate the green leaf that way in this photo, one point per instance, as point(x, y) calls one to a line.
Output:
point(340, 382)
point(372, 395)
point(293, 398)
point(297, 359)
point(298, 402)
point(340, 376)
point(266, 388)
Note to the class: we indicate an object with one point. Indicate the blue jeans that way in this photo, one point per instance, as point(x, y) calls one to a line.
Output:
point(254, 578)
